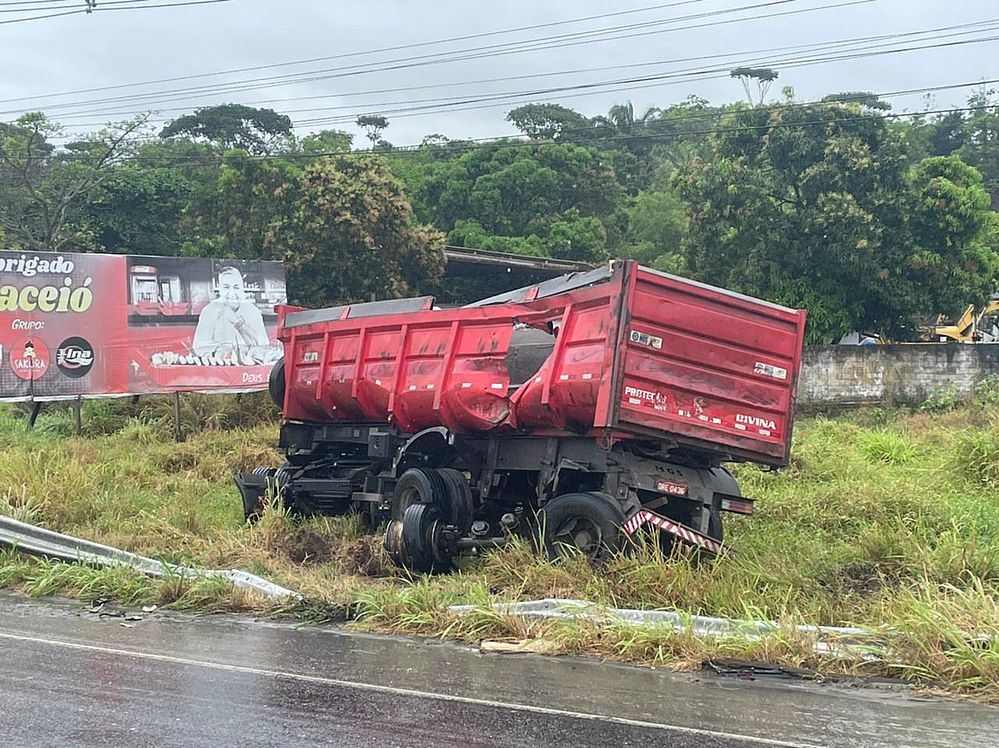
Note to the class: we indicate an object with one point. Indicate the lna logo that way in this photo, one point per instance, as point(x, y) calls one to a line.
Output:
point(75, 357)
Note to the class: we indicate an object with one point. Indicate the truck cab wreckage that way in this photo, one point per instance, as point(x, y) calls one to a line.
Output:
point(579, 410)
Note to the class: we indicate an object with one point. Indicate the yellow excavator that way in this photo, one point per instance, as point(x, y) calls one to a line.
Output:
point(970, 327)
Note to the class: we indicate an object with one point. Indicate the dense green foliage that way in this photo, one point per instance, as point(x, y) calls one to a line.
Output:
point(869, 221)
point(229, 126)
point(341, 224)
point(835, 219)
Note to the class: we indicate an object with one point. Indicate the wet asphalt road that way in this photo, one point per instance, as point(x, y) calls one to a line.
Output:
point(70, 678)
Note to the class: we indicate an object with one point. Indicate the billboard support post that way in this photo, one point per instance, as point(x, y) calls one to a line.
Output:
point(178, 434)
point(78, 414)
point(36, 408)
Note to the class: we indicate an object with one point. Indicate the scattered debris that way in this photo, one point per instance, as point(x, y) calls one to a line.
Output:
point(532, 646)
point(748, 670)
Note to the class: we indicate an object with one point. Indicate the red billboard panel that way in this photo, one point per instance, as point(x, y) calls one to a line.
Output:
point(94, 324)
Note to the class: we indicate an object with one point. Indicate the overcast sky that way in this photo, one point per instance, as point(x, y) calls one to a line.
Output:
point(694, 39)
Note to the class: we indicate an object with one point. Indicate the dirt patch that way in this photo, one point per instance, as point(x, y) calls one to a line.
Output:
point(306, 546)
point(365, 556)
point(863, 579)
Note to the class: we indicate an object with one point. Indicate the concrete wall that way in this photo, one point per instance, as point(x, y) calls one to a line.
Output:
point(844, 375)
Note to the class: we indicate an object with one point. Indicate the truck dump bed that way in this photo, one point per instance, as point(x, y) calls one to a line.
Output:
point(623, 352)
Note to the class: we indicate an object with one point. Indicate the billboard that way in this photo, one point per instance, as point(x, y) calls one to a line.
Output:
point(103, 325)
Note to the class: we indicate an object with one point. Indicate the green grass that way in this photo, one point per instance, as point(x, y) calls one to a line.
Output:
point(885, 519)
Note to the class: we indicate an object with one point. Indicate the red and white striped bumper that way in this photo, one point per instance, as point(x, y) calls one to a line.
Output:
point(682, 532)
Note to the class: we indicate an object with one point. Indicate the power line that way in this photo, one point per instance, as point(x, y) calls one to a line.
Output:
point(49, 15)
point(395, 48)
point(628, 84)
point(31, 2)
point(397, 63)
point(89, 9)
point(674, 120)
point(161, 5)
point(103, 4)
point(719, 114)
point(570, 92)
point(739, 58)
point(701, 74)
point(543, 43)
point(506, 140)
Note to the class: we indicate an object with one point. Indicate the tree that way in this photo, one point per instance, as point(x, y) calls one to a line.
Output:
point(373, 125)
point(231, 126)
point(948, 134)
point(621, 123)
point(657, 138)
point(548, 122)
point(468, 232)
point(955, 235)
point(576, 237)
point(327, 141)
point(43, 188)
point(864, 98)
point(831, 218)
point(981, 138)
point(764, 78)
point(657, 226)
point(137, 210)
point(342, 225)
point(519, 192)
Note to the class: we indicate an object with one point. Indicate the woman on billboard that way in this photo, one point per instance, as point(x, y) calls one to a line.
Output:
point(230, 325)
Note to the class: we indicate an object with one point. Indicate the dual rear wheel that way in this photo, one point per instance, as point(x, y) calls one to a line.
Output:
point(432, 507)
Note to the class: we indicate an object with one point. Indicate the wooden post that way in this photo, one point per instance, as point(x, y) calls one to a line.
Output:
point(78, 414)
point(178, 434)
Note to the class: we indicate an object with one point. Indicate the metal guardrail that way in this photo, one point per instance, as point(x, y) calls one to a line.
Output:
point(831, 640)
point(38, 541)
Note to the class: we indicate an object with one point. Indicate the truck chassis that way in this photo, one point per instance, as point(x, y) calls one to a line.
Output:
point(439, 494)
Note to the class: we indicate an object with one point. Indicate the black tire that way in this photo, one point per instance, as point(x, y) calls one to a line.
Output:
point(276, 383)
point(418, 486)
point(582, 523)
point(460, 510)
point(420, 524)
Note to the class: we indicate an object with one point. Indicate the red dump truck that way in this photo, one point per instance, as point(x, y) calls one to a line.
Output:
point(580, 410)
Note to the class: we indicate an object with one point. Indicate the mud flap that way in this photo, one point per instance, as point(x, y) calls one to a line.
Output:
point(682, 532)
point(252, 488)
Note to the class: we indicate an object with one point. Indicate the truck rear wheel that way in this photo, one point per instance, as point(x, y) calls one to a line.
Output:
point(581, 523)
point(276, 383)
point(421, 509)
point(423, 542)
point(418, 486)
point(460, 509)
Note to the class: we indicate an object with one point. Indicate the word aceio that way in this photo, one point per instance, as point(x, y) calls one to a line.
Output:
point(65, 298)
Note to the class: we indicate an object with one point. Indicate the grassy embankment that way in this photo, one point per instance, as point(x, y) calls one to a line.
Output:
point(885, 519)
